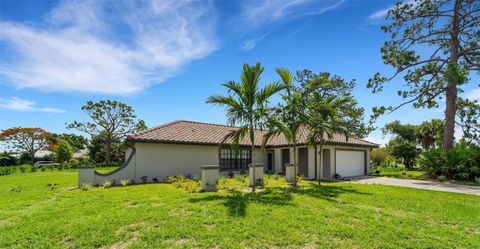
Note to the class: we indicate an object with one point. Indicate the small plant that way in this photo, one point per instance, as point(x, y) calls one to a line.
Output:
point(52, 186)
point(477, 179)
point(155, 180)
point(42, 169)
point(107, 184)
point(33, 169)
point(16, 189)
point(144, 179)
point(243, 172)
point(7, 170)
point(337, 176)
point(23, 169)
point(85, 186)
point(231, 174)
point(441, 178)
point(125, 182)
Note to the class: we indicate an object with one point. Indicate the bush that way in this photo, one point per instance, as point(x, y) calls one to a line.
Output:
point(85, 186)
point(51, 186)
point(33, 169)
point(461, 162)
point(107, 184)
point(378, 156)
point(16, 189)
point(125, 182)
point(7, 170)
point(7, 160)
point(63, 151)
point(181, 181)
point(155, 180)
point(144, 179)
point(441, 178)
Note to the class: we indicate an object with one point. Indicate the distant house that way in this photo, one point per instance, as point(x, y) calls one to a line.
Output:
point(181, 147)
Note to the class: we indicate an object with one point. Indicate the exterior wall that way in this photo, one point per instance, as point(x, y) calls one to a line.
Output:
point(157, 160)
point(278, 160)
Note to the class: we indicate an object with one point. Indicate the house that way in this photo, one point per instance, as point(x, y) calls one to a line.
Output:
point(181, 147)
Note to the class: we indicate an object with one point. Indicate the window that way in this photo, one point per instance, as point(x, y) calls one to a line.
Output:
point(229, 160)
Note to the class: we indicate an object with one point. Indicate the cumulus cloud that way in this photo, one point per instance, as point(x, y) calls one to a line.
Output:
point(23, 105)
point(118, 47)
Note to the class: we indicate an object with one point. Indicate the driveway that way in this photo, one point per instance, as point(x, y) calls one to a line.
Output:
point(420, 184)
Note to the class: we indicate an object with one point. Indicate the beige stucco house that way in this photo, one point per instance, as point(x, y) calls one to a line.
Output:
point(181, 147)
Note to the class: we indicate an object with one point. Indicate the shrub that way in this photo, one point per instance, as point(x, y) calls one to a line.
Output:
point(378, 156)
point(7, 170)
point(477, 179)
point(155, 180)
point(180, 181)
point(63, 151)
point(23, 168)
point(43, 169)
point(85, 186)
point(441, 178)
point(16, 189)
point(33, 169)
point(107, 184)
point(7, 160)
point(125, 182)
point(51, 186)
point(144, 179)
point(231, 174)
point(460, 162)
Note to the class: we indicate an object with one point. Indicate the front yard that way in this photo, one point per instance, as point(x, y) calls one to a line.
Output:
point(160, 215)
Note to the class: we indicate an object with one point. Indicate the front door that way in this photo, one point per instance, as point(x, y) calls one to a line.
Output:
point(270, 162)
point(326, 164)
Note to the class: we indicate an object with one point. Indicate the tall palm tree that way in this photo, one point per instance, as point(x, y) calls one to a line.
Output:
point(289, 117)
point(246, 105)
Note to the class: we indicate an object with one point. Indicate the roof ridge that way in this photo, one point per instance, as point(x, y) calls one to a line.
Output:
point(205, 123)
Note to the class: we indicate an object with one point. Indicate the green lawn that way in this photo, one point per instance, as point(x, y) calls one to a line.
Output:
point(334, 215)
point(406, 174)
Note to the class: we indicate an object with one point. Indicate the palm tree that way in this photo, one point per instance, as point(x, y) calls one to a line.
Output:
point(287, 118)
point(324, 119)
point(246, 105)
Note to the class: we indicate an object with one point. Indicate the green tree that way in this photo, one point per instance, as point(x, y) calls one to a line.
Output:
point(434, 45)
point(97, 149)
point(76, 141)
point(111, 122)
point(288, 117)
point(63, 151)
point(469, 120)
point(246, 105)
point(430, 133)
point(403, 145)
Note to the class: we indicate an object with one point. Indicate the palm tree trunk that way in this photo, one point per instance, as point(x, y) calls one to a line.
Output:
point(294, 165)
point(252, 140)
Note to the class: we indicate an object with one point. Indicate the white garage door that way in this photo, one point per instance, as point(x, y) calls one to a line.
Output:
point(350, 163)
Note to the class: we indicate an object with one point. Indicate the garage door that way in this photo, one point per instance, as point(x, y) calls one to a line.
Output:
point(350, 163)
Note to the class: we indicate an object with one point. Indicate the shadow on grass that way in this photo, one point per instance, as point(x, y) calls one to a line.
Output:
point(236, 201)
point(325, 192)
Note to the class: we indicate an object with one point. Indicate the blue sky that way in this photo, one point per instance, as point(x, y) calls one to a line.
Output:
point(165, 58)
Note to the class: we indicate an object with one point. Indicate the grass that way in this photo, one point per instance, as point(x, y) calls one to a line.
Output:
point(406, 174)
point(334, 215)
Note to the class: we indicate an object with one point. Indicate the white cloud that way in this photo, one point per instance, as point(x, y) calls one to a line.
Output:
point(383, 13)
point(23, 105)
point(249, 44)
point(474, 94)
point(122, 48)
point(260, 12)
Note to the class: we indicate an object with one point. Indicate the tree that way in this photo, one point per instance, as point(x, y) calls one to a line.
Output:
point(246, 105)
point(330, 108)
point(430, 133)
point(449, 31)
point(97, 148)
point(76, 141)
point(25, 140)
point(289, 117)
point(403, 146)
point(63, 151)
point(111, 122)
point(469, 120)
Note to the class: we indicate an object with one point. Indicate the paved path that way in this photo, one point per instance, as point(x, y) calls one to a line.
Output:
point(420, 184)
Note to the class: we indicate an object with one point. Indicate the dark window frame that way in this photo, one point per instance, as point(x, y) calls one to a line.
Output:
point(229, 160)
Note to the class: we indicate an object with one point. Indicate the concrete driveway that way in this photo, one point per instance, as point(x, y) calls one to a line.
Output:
point(420, 184)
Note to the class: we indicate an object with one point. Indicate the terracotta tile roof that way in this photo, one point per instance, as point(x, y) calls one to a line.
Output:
point(190, 132)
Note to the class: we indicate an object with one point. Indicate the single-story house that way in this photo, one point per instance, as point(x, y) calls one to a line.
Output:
point(182, 147)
